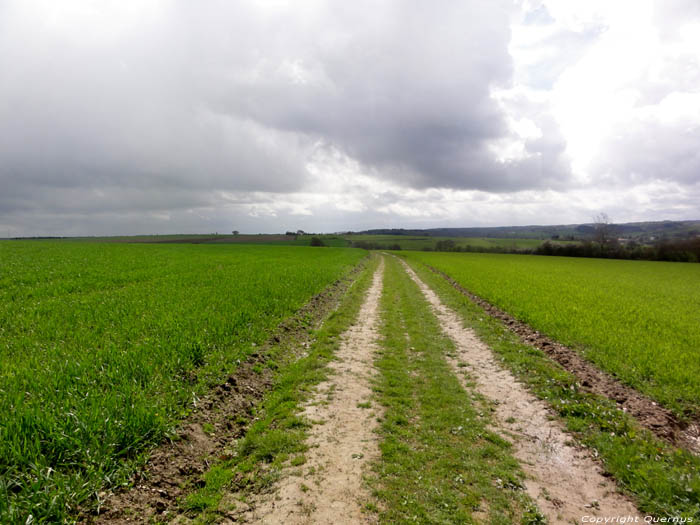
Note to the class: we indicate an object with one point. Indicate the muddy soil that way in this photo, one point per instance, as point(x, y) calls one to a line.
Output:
point(564, 480)
point(328, 488)
point(662, 422)
point(225, 412)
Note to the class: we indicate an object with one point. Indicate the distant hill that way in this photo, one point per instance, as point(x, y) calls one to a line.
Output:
point(639, 231)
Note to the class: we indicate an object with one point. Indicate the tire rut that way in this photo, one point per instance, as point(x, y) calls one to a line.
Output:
point(175, 466)
point(659, 420)
point(565, 481)
point(331, 491)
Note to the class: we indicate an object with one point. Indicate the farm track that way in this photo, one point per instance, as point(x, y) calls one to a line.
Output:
point(565, 481)
point(175, 467)
point(328, 488)
point(650, 415)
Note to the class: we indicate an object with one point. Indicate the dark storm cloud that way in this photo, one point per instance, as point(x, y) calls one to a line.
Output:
point(179, 99)
point(406, 89)
point(113, 110)
point(121, 117)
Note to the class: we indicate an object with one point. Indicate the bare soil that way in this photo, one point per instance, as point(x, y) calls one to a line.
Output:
point(659, 420)
point(328, 488)
point(226, 412)
point(563, 479)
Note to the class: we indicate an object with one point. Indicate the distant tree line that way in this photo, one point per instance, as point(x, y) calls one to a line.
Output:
point(367, 245)
point(448, 245)
point(687, 250)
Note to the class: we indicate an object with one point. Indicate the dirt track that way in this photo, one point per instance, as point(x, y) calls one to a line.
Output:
point(328, 488)
point(565, 481)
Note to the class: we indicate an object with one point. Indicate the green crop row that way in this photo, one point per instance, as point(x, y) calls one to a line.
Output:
point(104, 346)
point(638, 320)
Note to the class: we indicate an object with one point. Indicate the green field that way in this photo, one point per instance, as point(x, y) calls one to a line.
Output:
point(638, 320)
point(99, 345)
point(105, 346)
point(409, 242)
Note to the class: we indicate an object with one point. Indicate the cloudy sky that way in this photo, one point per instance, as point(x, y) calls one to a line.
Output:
point(121, 117)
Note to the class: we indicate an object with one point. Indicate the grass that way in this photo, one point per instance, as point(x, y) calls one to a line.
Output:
point(439, 462)
point(663, 480)
point(104, 346)
point(278, 436)
point(635, 319)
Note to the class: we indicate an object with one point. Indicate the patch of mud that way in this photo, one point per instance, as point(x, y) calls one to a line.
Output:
point(328, 488)
point(662, 422)
point(220, 417)
point(565, 481)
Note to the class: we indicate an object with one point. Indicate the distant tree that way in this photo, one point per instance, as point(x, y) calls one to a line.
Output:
point(300, 232)
point(317, 241)
point(603, 229)
point(445, 245)
point(235, 232)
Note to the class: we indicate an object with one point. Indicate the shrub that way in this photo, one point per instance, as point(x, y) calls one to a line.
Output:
point(317, 241)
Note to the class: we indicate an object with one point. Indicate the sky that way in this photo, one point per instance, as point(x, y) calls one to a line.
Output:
point(121, 117)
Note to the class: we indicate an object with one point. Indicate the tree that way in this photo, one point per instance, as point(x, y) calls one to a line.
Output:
point(235, 232)
point(445, 245)
point(317, 241)
point(603, 229)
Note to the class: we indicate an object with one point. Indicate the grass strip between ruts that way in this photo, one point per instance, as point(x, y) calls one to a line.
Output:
point(664, 480)
point(278, 434)
point(439, 463)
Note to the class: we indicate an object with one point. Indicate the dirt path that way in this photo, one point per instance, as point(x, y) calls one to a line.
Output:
point(565, 481)
point(328, 488)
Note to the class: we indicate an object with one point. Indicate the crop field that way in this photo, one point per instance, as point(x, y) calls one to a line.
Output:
point(637, 320)
point(109, 350)
point(410, 242)
point(99, 345)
